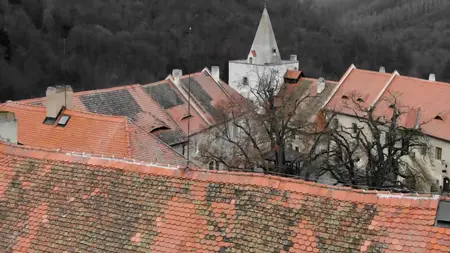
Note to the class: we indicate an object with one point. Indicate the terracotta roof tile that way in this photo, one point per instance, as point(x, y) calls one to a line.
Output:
point(130, 101)
point(91, 133)
point(363, 84)
point(433, 99)
point(51, 202)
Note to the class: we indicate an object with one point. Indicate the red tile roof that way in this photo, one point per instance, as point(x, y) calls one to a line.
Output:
point(54, 202)
point(130, 101)
point(90, 133)
point(292, 74)
point(363, 84)
point(431, 97)
point(415, 97)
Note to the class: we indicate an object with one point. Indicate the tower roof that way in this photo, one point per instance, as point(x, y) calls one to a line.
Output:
point(264, 48)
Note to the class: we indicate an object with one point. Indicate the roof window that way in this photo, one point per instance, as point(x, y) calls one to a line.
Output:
point(49, 121)
point(159, 128)
point(360, 100)
point(438, 118)
point(63, 120)
point(344, 97)
point(443, 214)
point(187, 115)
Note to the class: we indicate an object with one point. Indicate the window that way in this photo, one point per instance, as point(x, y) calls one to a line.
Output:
point(438, 118)
point(355, 128)
point(296, 149)
point(49, 121)
point(250, 60)
point(245, 80)
point(423, 150)
point(217, 165)
point(446, 187)
point(438, 153)
point(211, 165)
point(335, 123)
point(63, 120)
point(344, 97)
point(274, 51)
point(183, 149)
point(360, 100)
point(196, 146)
point(443, 214)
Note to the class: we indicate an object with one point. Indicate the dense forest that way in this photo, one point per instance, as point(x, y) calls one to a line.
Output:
point(100, 43)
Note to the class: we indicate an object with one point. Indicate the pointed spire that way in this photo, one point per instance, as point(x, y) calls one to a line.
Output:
point(264, 48)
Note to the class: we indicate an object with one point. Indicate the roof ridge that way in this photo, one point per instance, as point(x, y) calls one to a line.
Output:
point(96, 116)
point(17, 104)
point(246, 178)
point(87, 92)
point(445, 84)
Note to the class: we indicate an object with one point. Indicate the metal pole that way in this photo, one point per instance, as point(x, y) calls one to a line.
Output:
point(189, 100)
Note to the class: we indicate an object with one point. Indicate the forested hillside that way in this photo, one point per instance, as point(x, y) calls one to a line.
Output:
point(100, 43)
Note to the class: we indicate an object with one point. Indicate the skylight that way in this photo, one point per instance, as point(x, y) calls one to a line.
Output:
point(49, 121)
point(443, 214)
point(63, 120)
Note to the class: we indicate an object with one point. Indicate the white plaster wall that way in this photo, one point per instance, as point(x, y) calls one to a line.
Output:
point(8, 131)
point(240, 69)
point(436, 167)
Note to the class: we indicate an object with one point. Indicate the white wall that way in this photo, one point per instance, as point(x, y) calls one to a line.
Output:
point(8, 127)
point(428, 161)
point(240, 69)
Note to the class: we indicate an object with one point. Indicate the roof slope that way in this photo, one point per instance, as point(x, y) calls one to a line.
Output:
point(130, 101)
point(264, 42)
point(91, 133)
point(54, 202)
point(84, 132)
point(359, 84)
point(432, 98)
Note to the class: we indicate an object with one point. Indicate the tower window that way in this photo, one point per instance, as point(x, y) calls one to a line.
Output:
point(274, 51)
point(245, 80)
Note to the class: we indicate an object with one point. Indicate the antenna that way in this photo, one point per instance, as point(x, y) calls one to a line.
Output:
point(189, 100)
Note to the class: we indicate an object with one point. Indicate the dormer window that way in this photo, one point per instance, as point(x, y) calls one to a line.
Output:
point(438, 118)
point(344, 97)
point(360, 100)
point(186, 116)
point(159, 128)
point(392, 106)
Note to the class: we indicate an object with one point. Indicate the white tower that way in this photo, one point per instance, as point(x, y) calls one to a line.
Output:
point(263, 60)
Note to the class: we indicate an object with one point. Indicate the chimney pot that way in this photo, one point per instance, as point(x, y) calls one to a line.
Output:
point(58, 97)
point(382, 69)
point(293, 57)
point(8, 127)
point(321, 85)
point(432, 77)
point(215, 72)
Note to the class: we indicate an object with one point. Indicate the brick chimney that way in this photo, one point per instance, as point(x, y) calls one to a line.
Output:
point(176, 75)
point(58, 97)
point(432, 77)
point(8, 127)
point(215, 72)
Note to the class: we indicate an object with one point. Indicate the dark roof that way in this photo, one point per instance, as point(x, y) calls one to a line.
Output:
point(164, 95)
point(52, 202)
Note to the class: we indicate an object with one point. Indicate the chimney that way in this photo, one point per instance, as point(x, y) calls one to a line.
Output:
point(8, 127)
point(58, 97)
point(215, 72)
point(382, 69)
point(321, 85)
point(432, 77)
point(293, 57)
point(176, 75)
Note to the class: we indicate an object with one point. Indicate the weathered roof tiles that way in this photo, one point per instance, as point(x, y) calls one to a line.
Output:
point(54, 202)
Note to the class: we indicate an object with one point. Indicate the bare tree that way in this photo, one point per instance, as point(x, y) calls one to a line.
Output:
point(262, 128)
point(378, 149)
